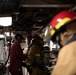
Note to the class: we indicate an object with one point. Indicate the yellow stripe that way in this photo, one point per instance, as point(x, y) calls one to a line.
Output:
point(62, 23)
point(37, 55)
point(28, 64)
point(59, 25)
point(52, 32)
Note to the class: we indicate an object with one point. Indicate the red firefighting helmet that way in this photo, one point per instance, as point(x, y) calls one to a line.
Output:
point(61, 19)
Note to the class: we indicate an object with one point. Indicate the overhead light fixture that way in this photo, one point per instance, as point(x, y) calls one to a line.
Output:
point(5, 21)
point(1, 36)
point(7, 33)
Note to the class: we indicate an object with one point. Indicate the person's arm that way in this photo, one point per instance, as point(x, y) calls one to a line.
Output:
point(30, 59)
point(66, 64)
point(31, 55)
point(19, 53)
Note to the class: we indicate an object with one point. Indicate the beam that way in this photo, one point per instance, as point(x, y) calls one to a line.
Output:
point(47, 5)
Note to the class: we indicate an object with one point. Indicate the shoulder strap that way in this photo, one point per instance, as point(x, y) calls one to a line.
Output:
point(41, 52)
point(72, 39)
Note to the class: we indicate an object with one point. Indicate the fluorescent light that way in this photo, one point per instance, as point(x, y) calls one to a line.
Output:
point(5, 21)
point(7, 33)
point(1, 36)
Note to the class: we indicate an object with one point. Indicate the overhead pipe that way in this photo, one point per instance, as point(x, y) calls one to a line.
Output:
point(47, 5)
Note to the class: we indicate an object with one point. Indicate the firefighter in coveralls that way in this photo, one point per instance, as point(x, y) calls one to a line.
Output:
point(34, 60)
point(63, 30)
